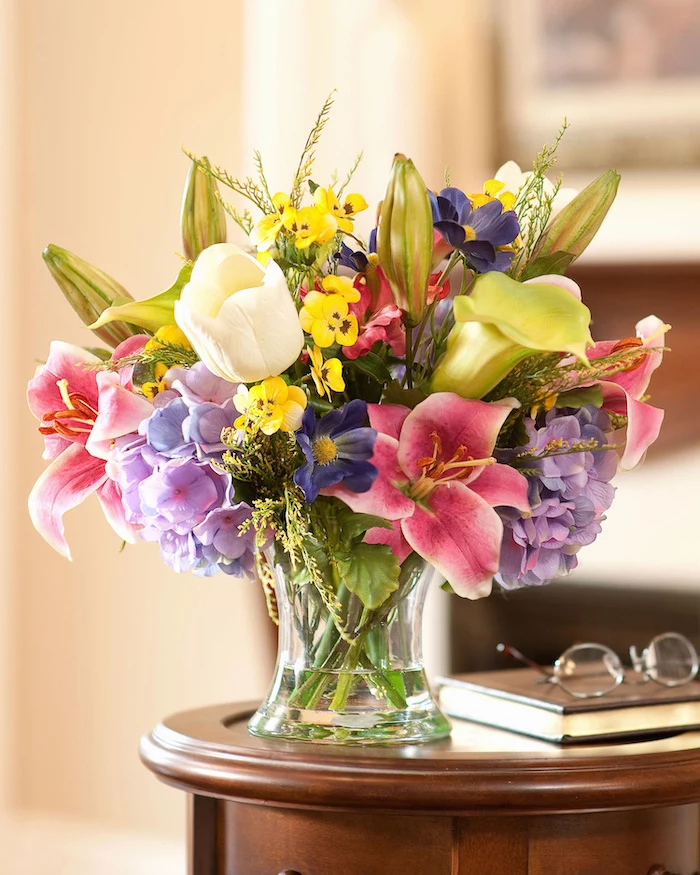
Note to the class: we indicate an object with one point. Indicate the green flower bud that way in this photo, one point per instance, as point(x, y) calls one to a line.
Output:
point(202, 218)
point(572, 229)
point(405, 238)
point(89, 291)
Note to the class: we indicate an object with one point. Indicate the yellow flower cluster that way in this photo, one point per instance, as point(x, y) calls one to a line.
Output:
point(308, 225)
point(326, 315)
point(494, 189)
point(168, 335)
point(270, 406)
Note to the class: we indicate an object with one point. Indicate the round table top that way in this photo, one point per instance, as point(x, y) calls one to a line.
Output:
point(477, 770)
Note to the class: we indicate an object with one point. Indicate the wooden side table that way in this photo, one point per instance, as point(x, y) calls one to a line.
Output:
point(484, 801)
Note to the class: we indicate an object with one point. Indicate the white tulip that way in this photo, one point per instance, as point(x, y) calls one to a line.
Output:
point(239, 317)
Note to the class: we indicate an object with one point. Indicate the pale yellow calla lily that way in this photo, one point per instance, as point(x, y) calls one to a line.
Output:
point(502, 322)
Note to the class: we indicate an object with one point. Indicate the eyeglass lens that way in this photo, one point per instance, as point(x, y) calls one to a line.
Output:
point(671, 660)
point(588, 670)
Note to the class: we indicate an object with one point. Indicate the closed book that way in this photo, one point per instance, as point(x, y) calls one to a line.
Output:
point(523, 700)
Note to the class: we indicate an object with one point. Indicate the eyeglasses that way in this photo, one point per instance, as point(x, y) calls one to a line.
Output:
point(589, 670)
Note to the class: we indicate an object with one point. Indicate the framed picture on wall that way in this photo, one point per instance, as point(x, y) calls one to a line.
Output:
point(626, 74)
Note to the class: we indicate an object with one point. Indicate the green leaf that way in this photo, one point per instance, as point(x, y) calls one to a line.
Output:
point(313, 186)
point(353, 525)
point(151, 314)
point(578, 397)
point(372, 365)
point(371, 571)
point(556, 263)
point(396, 394)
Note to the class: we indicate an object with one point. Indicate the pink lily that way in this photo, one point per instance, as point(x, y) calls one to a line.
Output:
point(81, 412)
point(438, 483)
point(624, 392)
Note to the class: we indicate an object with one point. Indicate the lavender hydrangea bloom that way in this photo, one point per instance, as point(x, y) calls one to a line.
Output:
point(204, 425)
point(224, 544)
point(568, 494)
point(197, 385)
point(163, 429)
point(170, 489)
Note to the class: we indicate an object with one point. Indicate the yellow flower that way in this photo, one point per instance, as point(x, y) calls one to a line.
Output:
point(328, 375)
point(327, 319)
point(341, 285)
point(328, 203)
point(494, 189)
point(151, 389)
point(266, 230)
point(270, 406)
point(168, 335)
point(309, 226)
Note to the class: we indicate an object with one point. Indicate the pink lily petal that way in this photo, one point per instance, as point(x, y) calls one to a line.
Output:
point(119, 412)
point(131, 346)
point(643, 422)
point(652, 332)
point(388, 418)
point(459, 422)
point(110, 497)
point(65, 362)
point(383, 499)
point(460, 535)
point(67, 481)
point(502, 486)
point(393, 538)
point(564, 282)
point(643, 427)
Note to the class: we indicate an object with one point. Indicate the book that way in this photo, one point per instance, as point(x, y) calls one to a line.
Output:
point(522, 700)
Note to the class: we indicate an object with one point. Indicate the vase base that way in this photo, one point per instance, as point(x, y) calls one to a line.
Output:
point(364, 719)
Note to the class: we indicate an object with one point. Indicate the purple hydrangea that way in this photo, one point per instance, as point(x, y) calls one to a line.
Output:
point(169, 487)
point(569, 494)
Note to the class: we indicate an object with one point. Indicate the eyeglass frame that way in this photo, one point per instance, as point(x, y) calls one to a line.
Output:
point(639, 665)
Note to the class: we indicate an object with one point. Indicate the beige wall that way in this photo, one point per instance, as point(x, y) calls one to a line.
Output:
point(112, 642)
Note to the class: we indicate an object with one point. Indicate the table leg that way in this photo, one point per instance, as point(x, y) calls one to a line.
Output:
point(202, 836)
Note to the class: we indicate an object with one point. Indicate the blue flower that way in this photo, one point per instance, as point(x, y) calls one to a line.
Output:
point(358, 260)
point(337, 447)
point(477, 233)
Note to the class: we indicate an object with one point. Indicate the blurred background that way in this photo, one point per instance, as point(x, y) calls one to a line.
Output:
point(96, 100)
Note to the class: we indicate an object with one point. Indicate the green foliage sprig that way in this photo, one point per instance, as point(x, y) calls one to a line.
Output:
point(308, 155)
point(533, 205)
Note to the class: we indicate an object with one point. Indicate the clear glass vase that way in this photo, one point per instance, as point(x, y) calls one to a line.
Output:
point(364, 686)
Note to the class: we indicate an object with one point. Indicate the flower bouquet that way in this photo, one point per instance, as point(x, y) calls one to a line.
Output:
point(352, 421)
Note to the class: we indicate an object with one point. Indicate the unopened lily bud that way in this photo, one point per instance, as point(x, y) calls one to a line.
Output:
point(202, 218)
point(573, 228)
point(405, 238)
point(89, 291)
